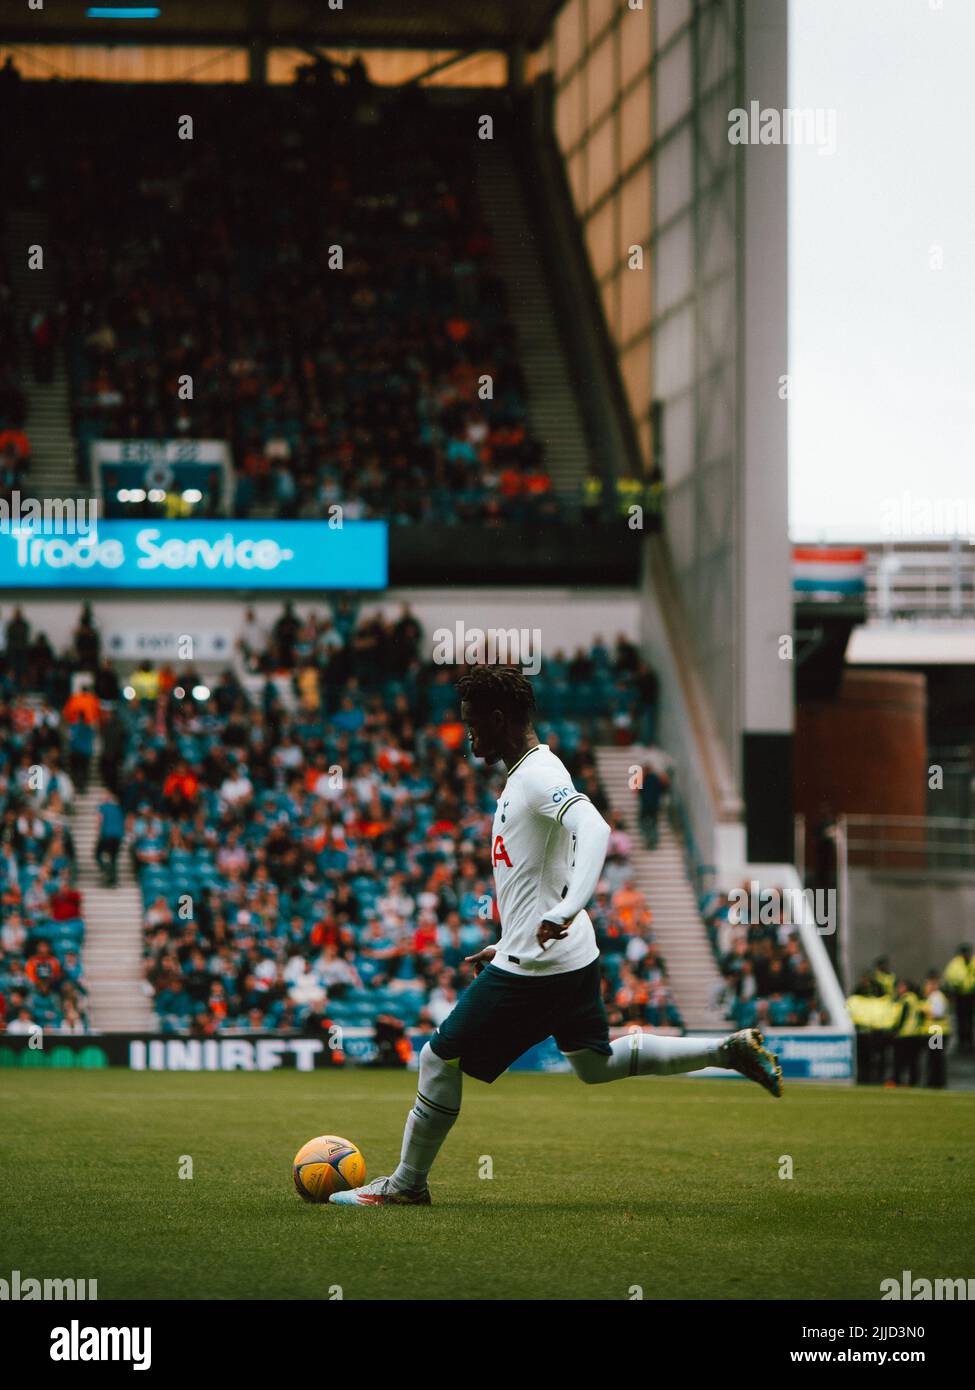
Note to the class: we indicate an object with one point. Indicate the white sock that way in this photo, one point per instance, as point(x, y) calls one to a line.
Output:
point(646, 1054)
point(429, 1122)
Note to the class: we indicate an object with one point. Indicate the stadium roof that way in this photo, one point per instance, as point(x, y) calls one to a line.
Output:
point(425, 24)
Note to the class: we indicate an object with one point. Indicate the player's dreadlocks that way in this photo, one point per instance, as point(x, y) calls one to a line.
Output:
point(499, 687)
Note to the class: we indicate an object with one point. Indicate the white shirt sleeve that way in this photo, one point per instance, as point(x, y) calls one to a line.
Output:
point(550, 795)
point(592, 839)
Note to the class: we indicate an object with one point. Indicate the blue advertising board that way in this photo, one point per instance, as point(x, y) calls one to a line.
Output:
point(805, 1055)
point(197, 555)
point(813, 1056)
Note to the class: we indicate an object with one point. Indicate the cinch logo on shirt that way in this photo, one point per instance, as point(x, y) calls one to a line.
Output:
point(499, 855)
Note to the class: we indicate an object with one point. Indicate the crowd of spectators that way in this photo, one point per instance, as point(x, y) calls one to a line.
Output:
point(30, 662)
point(608, 689)
point(766, 977)
point(15, 446)
point(55, 710)
point(329, 863)
point(636, 986)
point(326, 280)
point(314, 850)
point(41, 923)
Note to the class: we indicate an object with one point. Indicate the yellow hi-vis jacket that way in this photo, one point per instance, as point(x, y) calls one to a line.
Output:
point(872, 1013)
point(884, 981)
point(913, 1018)
point(145, 684)
point(629, 493)
point(592, 490)
point(959, 975)
point(937, 1013)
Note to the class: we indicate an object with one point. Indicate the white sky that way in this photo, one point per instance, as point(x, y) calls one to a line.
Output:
point(882, 347)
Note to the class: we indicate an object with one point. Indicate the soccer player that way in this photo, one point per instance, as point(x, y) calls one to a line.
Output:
point(542, 977)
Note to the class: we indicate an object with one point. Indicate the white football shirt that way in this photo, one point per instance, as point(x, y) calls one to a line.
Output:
point(533, 855)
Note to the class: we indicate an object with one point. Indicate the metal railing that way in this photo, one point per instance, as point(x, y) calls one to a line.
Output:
point(701, 874)
point(913, 581)
point(909, 842)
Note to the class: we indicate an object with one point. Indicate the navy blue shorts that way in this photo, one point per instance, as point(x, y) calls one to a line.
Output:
point(501, 1015)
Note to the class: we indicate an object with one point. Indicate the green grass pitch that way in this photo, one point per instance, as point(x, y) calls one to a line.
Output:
point(671, 1185)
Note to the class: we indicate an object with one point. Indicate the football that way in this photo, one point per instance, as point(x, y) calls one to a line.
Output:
point(325, 1165)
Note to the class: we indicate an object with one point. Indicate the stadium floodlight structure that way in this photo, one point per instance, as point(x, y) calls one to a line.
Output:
point(704, 361)
point(508, 26)
point(259, 40)
point(720, 357)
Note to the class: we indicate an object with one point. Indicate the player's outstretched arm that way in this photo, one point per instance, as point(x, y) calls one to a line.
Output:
point(592, 840)
point(482, 958)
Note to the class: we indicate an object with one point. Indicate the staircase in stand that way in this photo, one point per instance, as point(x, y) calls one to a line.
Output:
point(553, 409)
point(661, 875)
point(53, 467)
point(113, 959)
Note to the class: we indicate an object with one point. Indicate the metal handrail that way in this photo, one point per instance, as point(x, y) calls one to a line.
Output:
point(699, 871)
point(931, 842)
point(861, 818)
point(901, 581)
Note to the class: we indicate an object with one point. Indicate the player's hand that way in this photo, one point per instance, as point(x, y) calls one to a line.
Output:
point(551, 931)
point(481, 959)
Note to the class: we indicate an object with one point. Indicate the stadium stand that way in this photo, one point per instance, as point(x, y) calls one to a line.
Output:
point(309, 837)
point(336, 303)
point(42, 931)
point(277, 892)
point(15, 444)
point(357, 893)
point(766, 978)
